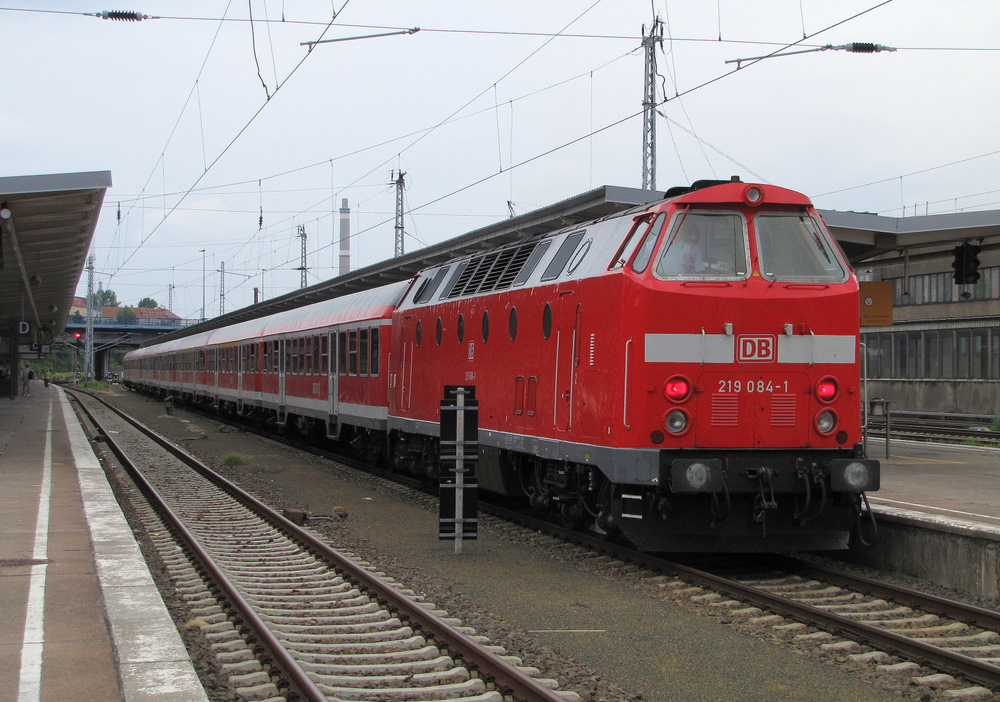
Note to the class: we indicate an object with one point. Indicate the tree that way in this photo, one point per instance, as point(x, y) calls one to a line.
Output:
point(105, 298)
point(125, 315)
point(148, 303)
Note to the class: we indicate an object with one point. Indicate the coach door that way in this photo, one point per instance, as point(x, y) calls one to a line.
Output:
point(333, 387)
point(241, 365)
point(214, 356)
point(567, 329)
point(282, 366)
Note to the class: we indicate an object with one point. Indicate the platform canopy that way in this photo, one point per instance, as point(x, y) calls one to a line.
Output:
point(47, 223)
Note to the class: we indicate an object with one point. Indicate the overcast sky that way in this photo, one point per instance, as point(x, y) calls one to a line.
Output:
point(211, 124)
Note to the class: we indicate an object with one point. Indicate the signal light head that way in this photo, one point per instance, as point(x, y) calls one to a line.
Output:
point(826, 389)
point(77, 335)
point(677, 388)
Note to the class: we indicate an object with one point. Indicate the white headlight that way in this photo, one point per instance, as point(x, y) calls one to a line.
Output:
point(676, 421)
point(826, 422)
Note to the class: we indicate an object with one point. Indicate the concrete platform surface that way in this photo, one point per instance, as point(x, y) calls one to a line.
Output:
point(80, 616)
point(944, 480)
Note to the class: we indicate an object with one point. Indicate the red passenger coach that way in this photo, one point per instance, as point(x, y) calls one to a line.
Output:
point(320, 367)
point(686, 373)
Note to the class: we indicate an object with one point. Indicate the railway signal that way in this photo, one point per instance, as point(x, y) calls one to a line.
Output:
point(966, 264)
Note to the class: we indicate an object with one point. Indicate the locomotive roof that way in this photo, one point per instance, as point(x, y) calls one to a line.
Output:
point(584, 207)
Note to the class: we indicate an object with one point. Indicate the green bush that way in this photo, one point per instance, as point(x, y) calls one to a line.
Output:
point(233, 459)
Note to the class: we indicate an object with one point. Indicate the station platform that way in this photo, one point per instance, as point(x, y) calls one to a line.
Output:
point(942, 481)
point(80, 616)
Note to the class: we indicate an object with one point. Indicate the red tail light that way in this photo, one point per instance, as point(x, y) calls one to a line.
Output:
point(677, 388)
point(826, 390)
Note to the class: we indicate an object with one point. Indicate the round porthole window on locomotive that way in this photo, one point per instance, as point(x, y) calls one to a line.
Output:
point(461, 328)
point(419, 332)
point(512, 323)
point(486, 326)
point(438, 332)
point(547, 320)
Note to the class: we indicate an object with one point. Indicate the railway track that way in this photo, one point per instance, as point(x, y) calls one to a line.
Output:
point(297, 618)
point(863, 620)
point(850, 613)
point(935, 430)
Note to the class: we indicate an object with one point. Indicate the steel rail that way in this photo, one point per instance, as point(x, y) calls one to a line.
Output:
point(296, 676)
point(507, 677)
point(970, 614)
point(986, 674)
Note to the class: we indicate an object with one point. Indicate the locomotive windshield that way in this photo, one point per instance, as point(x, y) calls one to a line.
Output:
point(793, 247)
point(705, 245)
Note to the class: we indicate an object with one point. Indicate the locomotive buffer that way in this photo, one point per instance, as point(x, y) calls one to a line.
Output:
point(458, 488)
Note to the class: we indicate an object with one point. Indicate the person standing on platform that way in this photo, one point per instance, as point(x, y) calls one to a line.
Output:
point(26, 375)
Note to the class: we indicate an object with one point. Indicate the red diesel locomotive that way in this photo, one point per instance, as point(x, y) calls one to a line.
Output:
point(685, 373)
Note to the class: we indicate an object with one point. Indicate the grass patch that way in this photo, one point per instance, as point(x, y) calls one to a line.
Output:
point(97, 385)
point(995, 426)
point(232, 460)
point(971, 442)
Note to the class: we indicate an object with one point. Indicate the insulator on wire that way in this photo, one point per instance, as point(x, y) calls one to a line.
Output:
point(865, 47)
point(122, 15)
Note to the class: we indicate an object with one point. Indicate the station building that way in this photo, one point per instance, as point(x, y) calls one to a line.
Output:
point(938, 350)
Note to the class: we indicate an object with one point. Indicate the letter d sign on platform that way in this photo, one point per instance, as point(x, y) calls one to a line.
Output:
point(23, 328)
point(756, 349)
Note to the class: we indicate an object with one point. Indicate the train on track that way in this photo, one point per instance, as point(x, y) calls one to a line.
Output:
point(684, 373)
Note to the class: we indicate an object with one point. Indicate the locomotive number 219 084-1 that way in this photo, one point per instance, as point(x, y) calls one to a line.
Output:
point(751, 385)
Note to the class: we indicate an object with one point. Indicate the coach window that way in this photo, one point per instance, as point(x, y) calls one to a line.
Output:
point(648, 243)
point(373, 366)
point(461, 328)
point(512, 323)
point(324, 353)
point(363, 351)
point(253, 357)
point(352, 352)
point(486, 326)
point(342, 353)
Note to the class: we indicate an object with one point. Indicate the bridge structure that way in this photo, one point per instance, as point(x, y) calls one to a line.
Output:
point(111, 332)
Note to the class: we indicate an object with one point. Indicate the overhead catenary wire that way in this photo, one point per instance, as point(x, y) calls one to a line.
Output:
point(571, 142)
point(233, 140)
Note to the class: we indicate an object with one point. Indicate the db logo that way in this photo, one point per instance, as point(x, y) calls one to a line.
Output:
point(756, 349)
